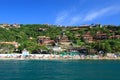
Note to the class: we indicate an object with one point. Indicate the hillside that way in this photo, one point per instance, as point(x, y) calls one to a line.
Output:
point(92, 37)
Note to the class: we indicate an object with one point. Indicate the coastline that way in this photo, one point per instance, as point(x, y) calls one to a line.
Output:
point(54, 57)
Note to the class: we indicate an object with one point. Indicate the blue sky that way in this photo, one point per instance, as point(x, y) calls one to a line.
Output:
point(60, 12)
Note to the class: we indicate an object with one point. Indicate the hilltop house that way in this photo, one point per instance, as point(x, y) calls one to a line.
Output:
point(80, 27)
point(100, 36)
point(84, 26)
point(10, 25)
point(44, 40)
point(87, 37)
point(115, 37)
point(4, 25)
point(63, 41)
point(16, 25)
point(77, 35)
point(42, 29)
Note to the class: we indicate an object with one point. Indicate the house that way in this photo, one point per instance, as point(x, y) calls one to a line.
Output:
point(77, 36)
point(12, 43)
point(84, 26)
point(4, 25)
point(80, 27)
point(100, 36)
point(115, 37)
point(81, 50)
point(57, 49)
point(87, 37)
point(42, 29)
point(63, 41)
point(1, 25)
point(62, 38)
point(75, 29)
point(10, 25)
point(96, 25)
point(44, 40)
point(16, 25)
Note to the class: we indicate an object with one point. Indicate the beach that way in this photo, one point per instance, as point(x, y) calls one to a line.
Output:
point(56, 57)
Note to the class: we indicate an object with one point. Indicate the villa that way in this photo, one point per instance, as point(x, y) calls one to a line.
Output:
point(88, 37)
point(100, 36)
point(44, 40)
point(63, 40)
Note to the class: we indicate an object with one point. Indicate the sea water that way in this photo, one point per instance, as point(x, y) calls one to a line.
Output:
point(59, 70)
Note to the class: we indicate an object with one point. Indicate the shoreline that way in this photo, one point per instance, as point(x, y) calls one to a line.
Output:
point(54, 57)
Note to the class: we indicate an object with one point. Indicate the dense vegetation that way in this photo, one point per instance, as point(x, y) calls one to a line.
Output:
point(24, 34)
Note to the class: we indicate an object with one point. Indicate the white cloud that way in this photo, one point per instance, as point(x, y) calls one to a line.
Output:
point(61, 17)
point(74, 19)
point(69, 17)
point(102, 12)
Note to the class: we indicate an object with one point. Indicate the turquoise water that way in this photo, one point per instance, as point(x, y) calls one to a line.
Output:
point(59, 70)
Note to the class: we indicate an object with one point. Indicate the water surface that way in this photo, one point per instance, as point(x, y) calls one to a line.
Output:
point(59, 70)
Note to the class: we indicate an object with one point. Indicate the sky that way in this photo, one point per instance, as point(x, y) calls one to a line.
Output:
point(60, 12)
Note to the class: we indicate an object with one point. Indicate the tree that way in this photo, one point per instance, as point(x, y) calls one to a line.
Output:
point(30, 46)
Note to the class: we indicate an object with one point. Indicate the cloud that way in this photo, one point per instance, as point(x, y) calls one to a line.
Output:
point(101, 12)
point(61, 17)
point(77, 17)
point(67, 18)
